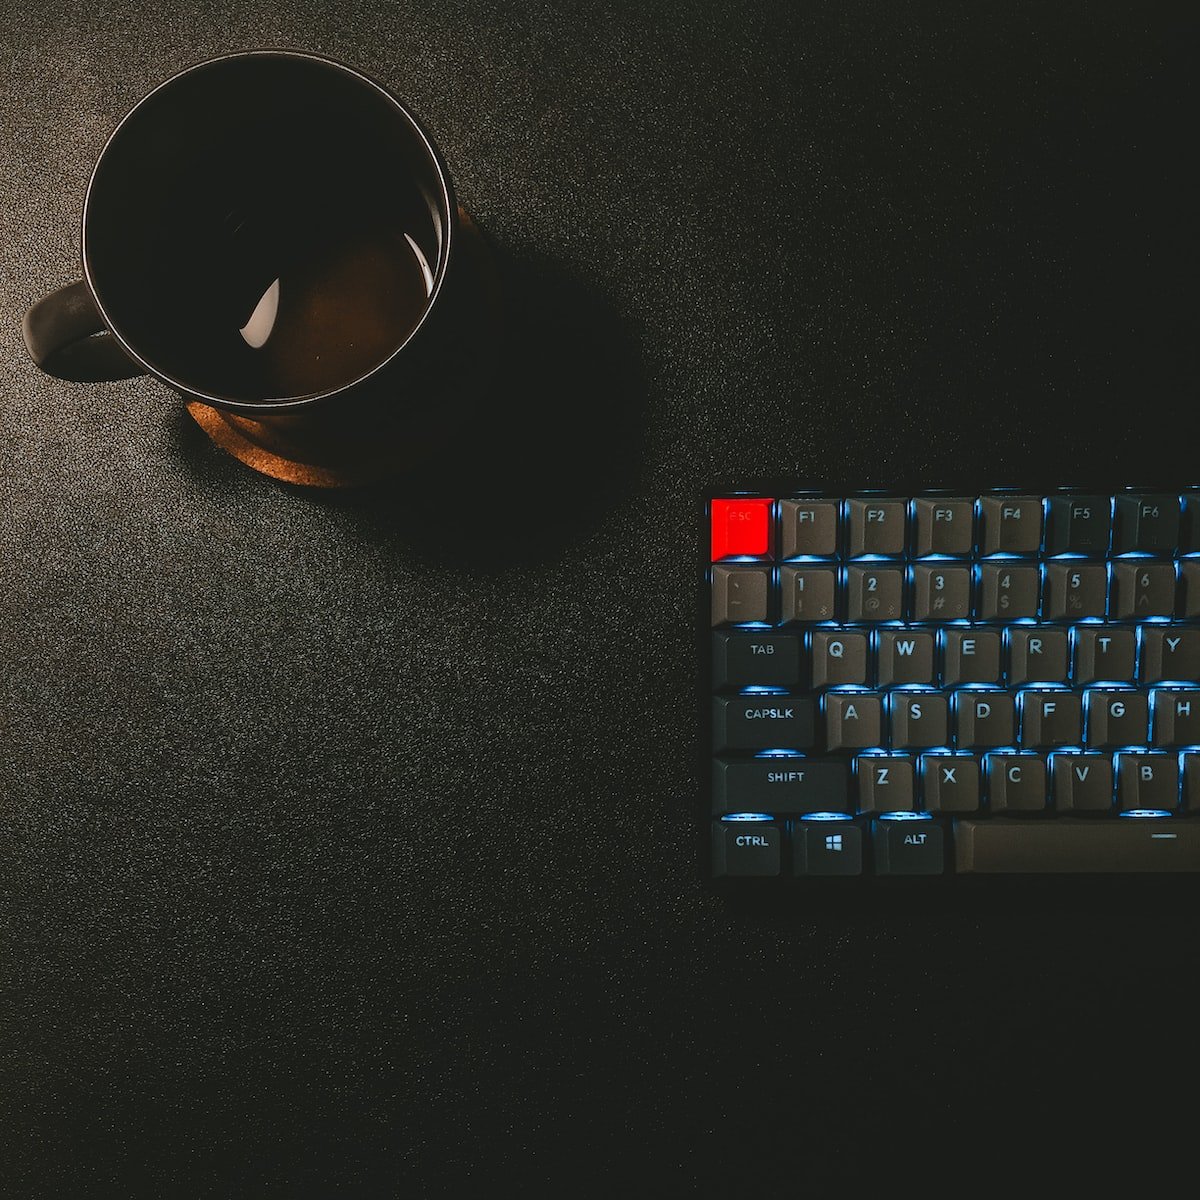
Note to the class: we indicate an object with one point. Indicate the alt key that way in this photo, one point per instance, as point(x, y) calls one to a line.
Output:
point(912, 847)
point(745, 847)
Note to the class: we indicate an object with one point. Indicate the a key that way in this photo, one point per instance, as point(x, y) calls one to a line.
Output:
point(853, 720)
point(1116, 718)
point(807, 593)
point(905, 657)
point(808, 527)
point(913, 847)
point(740, 594)
point(970, 656)
point(740, 527)
point(1191, 782)
point(1075, 845)
point(876, 526)
point(1149, 523)
point(763, 721)
point(827, 848)
point(1050, 719)
point(1011, 524)
point(745, 848)
point(1007, 593)
point(1082, 782)
point(1142, 589)
point(1037, 656)
point(1075, 590)
point(941, 593)
point(1078, 525)
point(874, 593)
point(983, 719)
point(1016, 783)
point(885, 783)
point(752, 659)
point(1176, 717)
point(1189, 541)
point(787, 785)
point(1170, 653)
point(944, 525)
point(1190, 576)
point(1147, 781)
point(949, 783)
point(918, 719)
point(838, 658)
point(1104, 654)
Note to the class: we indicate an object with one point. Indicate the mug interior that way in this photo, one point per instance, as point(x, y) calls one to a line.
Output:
point(266, 229)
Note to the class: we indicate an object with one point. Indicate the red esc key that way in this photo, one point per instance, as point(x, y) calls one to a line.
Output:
point(741, 527)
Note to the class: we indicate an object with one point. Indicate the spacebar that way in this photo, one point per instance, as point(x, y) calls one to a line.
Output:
point(1001, 846)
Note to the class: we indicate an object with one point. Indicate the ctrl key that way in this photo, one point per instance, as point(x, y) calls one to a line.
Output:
point(744, 846)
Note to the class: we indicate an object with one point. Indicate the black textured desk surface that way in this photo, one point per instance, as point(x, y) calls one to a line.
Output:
point(347, 843)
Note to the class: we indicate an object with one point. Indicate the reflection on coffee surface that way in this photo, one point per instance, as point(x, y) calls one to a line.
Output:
point(334, 312)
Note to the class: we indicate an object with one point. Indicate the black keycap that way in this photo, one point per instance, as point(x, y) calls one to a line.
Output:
point(1190, 578)
point(949, 783)
point(1050, 719)
point(1078, 525)
point(970, 656)
point(1082, 782)
point(1189, 542)
point(944, 526)
point(1075, 590)
point(740, 594)
point(827, 848)
point(853, 720)
point(876, 526)
point(908, 847)
point(984, 719)
point(838, 658)
point(1016, 783)
point(763, 721)
point(1075, 845)
point(1007, 592)
point(1149, 523)
point(885, 783)
point(788, 786)
point(1191, 782)
point(1037, 656)
point(874, 593)
point(1170, 652)
point(807, 593)
point(1176, 719)
point(1104, 654)
point(1116, 718)
point(749, 659)
point(918, 719)
point(905, 657)
point(1011, 524)
point(1147, 781)
point(808, 527)
point(745, 848)
point(1142, 589)
point(941, 593)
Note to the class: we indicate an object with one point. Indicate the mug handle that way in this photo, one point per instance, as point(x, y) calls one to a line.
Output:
point(66, 338)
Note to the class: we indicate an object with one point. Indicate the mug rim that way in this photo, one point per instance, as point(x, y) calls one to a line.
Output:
point(286, 403)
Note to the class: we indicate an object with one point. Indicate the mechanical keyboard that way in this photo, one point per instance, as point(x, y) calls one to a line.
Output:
point(952, 683)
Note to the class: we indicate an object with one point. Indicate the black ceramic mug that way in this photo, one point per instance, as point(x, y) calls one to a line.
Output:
point(268, 233)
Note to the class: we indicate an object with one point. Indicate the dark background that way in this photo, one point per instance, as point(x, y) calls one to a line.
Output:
point(347, 842)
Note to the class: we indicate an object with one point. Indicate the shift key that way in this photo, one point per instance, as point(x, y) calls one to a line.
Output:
point(787, 785)
point(763, 721)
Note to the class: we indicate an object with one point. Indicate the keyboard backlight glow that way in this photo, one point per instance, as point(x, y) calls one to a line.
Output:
point(748, 817)
point(1146, 812)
